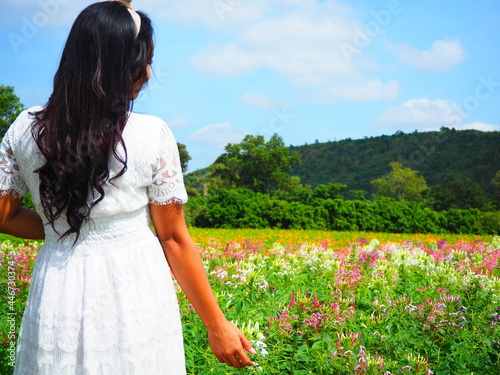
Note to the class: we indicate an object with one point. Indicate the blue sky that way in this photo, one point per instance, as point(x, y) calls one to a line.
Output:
point(305, 69)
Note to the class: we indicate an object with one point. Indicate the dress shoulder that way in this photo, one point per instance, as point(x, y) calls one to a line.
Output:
point(167, 181)
point(11, 174)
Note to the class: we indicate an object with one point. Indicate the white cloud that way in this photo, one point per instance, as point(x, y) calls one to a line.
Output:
point(303, 45)
point(178, 122)
point(479, 126)
point(217, 134)
point(441, 56)
point(421, 114)
point(426, 115)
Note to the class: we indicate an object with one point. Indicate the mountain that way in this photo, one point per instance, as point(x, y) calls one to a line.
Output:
point(467, 153)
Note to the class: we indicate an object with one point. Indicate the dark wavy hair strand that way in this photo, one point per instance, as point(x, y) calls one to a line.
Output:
point(81, 126)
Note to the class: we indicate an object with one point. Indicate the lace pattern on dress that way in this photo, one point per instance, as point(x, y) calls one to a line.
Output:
point(168, 182)
point(11, 181)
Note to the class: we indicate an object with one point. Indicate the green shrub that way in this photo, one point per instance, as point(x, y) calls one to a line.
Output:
point(242, 208)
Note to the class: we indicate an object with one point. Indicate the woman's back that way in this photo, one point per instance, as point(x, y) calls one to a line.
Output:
point(111, 291)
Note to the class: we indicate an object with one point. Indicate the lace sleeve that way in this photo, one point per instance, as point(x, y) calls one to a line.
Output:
point(168, 183)
point(11, 181)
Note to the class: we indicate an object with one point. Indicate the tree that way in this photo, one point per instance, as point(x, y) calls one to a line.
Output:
point(184, 156)
point(402, 184)
point(10, 108)
point(256, 164)
point(359, 195)
point(329, 191)
point(496, 184)
point(458, 192)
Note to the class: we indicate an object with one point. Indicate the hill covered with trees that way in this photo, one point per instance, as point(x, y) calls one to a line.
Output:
point(254, 185)
point(467, 154)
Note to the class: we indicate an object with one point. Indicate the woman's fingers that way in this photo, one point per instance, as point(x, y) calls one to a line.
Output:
point(235, 360)
point(246, 344)
point(243, 359)
point(231, 360)
point(229, 344)
point(239, 361)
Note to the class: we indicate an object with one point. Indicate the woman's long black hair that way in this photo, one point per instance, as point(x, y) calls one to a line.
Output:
point(81, 126)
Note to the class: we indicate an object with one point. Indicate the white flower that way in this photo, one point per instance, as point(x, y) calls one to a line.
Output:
point(257, 366)
point(259, 345)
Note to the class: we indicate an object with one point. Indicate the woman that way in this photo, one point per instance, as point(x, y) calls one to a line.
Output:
point(101, 299)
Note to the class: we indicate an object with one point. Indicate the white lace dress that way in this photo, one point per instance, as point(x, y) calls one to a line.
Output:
point(106, 305)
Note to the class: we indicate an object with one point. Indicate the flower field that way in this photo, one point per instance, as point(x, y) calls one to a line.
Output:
point(328, 303)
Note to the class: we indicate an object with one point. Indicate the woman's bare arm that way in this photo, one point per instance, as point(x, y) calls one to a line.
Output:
point(19, 221)
point(227, 341)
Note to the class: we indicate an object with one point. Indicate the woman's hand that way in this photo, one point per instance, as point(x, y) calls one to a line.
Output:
point(228, 344)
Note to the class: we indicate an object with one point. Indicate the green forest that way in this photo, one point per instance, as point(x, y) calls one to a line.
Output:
point(467, 154)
